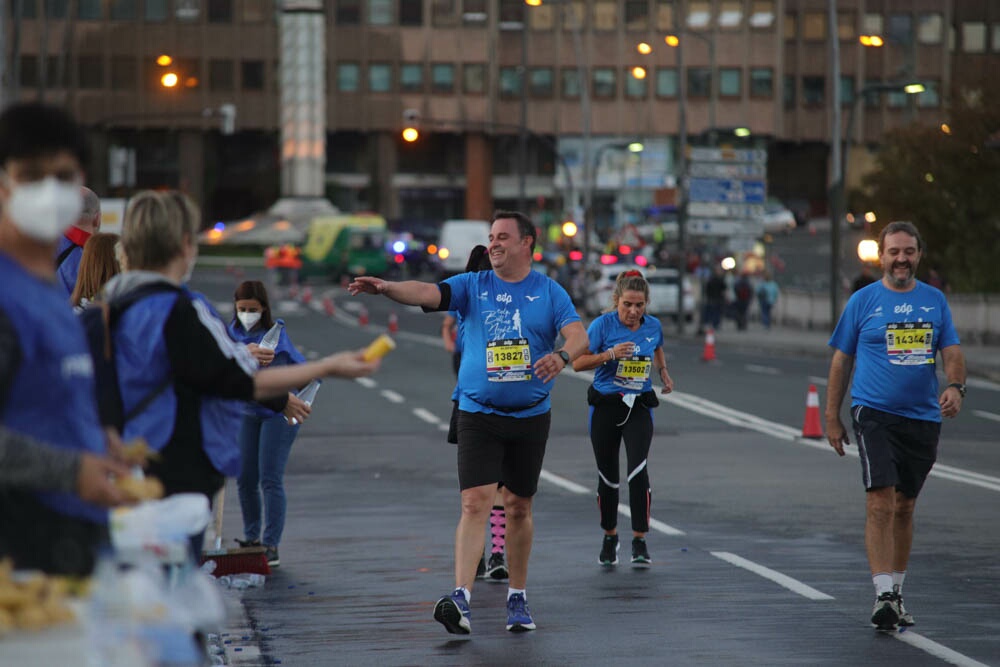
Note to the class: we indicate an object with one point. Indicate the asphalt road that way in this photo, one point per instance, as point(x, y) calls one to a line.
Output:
point(757, 544)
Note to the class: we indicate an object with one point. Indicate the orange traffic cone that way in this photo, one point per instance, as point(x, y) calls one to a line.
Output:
point(363, 317)
point(393, 323)
point(307, 295)
point(708, 354)
point(812, 428)
point(328, 306)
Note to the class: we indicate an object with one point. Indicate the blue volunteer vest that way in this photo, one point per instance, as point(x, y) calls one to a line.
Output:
point(53, 396)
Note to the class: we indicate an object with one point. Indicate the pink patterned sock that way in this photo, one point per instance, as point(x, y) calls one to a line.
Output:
point(498, 528)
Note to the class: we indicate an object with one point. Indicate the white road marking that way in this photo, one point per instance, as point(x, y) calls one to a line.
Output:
point(367, 383)
point(392, 396)
point(793, 585)
point(937, 650)
point(426, 415)
point(444, 428)
point(815, 379)
point(763, 370)
point(977, 383)
point(986, 415)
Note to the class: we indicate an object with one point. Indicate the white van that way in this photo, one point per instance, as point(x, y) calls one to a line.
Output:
point(459, 237)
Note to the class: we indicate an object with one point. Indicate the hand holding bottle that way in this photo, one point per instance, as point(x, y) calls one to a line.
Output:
point(263, 355)
point(297, 410)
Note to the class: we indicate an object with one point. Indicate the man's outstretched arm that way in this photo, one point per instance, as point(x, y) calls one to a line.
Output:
point(409, 292)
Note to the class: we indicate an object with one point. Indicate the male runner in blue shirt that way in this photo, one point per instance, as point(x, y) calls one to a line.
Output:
point(512, 317)
point(894, 328)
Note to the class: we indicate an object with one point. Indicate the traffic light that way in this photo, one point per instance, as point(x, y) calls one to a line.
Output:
point(411, 125)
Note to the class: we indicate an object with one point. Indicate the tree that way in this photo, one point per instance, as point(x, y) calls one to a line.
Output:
point(946, 180)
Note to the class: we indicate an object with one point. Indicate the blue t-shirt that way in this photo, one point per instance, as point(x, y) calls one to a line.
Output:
point(506, 328)
point(630, 375)
point(895, 338)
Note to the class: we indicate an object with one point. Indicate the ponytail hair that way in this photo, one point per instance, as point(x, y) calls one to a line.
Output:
point(629, 281)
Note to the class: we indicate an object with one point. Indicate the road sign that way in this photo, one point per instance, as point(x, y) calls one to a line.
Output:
point(726, 190)
point(700, 154)
point(755, 170)
point(724, 210)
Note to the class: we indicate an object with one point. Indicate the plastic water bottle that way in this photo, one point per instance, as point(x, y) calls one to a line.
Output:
point(307, 396)
point(271, 338)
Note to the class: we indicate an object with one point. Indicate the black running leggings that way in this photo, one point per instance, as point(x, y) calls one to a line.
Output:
point(606, 436)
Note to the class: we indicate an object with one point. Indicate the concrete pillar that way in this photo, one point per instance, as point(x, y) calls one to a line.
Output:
point(191, 164)
point(478, 177)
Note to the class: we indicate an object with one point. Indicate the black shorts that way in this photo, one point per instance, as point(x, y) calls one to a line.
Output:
point(493, 447)
point(894, 451)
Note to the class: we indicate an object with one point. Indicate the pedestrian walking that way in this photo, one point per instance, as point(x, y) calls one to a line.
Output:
point(767, 295)
point(891, 333)
point(626, 349)
point(512, 317)
point(266, 435)
point(69, 252)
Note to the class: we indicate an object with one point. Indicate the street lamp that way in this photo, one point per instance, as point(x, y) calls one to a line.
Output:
point(673, 41)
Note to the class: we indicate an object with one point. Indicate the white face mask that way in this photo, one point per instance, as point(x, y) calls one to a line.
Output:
point(248, 320)
point(45, 209)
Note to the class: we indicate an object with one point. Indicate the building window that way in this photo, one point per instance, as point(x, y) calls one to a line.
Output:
point(731, 14)
point(443, 78)
point(411, 78)
point(475, 12)
point(510, 82)
point(252, 74)
point(379, 77)
point(348, 12)
point(474, 78)
point(872, 24)
point(813, 90)
point(845, 26)
point(635, 89)
point(570, 82)
point(605, 15)
point(791, 27)
point(605, 85)
point(699, 14)
point(124, 73)
point(814, 26)
point(254, 11)
point(220, 11)
point(443, 12)
point(929, 98)
point(930, 28)
point(54, 9)
point(155, 11)
point(974, 37)
point(348, 77)
point(90, 72)
point(788, 91)
point(900, 29)
point(411, 12)
point(574, 16)
point(699, 82)
point(512, 11)
point(53, 72)
point(540, 82)
point(88, 10)
point(221, 75)
point(761, 82)
point(636, 14)
point(28, 74)
point(380, 12)
point(542, 17)
point(873, 97)
point(995, 42)
point(666, 82)
point(846, 90)
point(664, 14)
point(897, 99)
point(124, 10)
point(762, 14)
point(730, 82)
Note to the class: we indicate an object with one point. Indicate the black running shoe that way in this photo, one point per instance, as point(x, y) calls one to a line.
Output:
point(884, 614)
point(640, 555)
point(496, 569)
point(609, 551)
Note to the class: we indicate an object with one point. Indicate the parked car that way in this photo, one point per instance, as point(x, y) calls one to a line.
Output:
point(662, 290)
point(777, 218)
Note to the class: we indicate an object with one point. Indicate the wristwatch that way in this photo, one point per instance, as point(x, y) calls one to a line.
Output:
point(960, 387)
point(564, 355)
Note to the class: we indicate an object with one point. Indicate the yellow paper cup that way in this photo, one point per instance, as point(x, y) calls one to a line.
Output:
point(380, 347)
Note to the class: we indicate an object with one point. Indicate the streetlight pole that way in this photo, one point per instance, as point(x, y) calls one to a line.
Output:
point(680, 187)
point(836, 166)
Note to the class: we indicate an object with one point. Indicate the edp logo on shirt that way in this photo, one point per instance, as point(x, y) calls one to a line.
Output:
point(504, 298)
point(903, 309)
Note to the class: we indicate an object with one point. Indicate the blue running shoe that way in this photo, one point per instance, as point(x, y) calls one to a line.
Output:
point(518, 616)
point(452, 611)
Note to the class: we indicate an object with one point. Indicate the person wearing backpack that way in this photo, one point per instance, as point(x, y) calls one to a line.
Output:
point(265, 435)
point(173, 338)
point(46, 374)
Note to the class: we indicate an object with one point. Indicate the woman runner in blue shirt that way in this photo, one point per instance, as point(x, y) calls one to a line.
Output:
point(626, 347)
